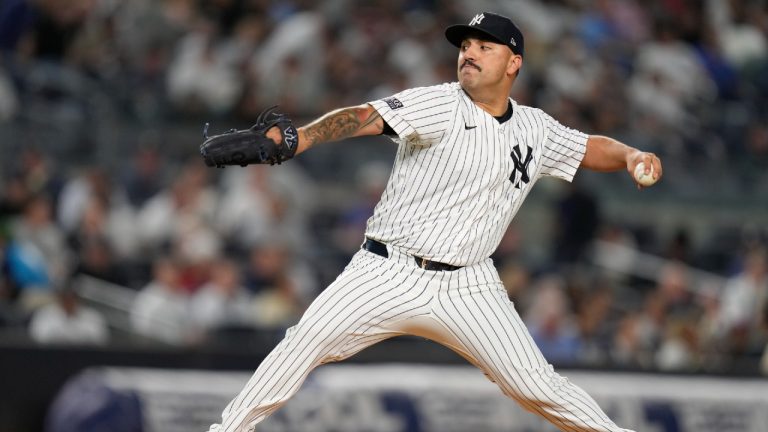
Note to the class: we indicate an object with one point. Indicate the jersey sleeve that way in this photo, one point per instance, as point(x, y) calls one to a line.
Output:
point(419, 115)
point(563, 149)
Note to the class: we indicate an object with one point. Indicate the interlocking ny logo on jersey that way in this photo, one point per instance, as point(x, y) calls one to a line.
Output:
point(477, 19)
point(520, 165)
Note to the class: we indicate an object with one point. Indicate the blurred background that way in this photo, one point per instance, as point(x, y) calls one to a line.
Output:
point(120, 248)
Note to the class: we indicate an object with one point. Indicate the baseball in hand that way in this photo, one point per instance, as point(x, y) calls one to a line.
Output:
point(641, 177)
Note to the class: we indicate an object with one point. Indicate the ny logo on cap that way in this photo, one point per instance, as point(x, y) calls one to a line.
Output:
point(477, 19)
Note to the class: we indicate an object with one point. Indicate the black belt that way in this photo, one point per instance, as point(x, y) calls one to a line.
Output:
point(380, 249)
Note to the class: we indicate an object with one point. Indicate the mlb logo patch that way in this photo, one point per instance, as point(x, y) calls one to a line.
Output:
point(393, 103)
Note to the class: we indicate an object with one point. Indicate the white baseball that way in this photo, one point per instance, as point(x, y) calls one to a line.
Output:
point(642, 178)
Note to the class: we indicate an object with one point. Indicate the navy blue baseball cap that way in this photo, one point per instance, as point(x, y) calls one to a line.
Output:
point(497, 28)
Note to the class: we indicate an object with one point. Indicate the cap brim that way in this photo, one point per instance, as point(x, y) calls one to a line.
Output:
point(457, 33)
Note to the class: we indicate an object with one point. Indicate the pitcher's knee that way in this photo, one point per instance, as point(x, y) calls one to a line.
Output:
point(313, 341)
point(539, 383)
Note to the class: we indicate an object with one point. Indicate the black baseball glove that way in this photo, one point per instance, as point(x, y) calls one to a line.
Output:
point(252, 146)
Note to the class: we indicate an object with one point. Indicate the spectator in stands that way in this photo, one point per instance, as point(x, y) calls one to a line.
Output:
point(204, 75)
point(596, 324)
point(9, 313)
point(93, 183)
point(626, 349)
point(679, 350)
point(196, 246)
point(370, 182)
point(516, 279)
point(572, 72)
point(39, 175)
point(146, 34)
point(650, 323)
point(46, 28)
point(410, 53)
point(669, 78)
point(282, 287)
point(259, 203)
point(93, 247)
point(189, 201)
point(67, 321)
point(551, 322)
point(674, 286)
point(13, 196)
point(679, 247)
point(223, 300)
point(39, 257)
point(614, 249)
point(294, 46)
point(144, 176)
point(741, 301)
point(578, 218)
point(161, 309)
point(669, 320)
point(738, 28)
point(91, 206)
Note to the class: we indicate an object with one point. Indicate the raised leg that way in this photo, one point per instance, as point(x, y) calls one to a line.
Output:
point(353, 313)
point(484, 325)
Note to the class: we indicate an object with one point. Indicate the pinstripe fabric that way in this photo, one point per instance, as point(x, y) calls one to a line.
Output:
point(450, 196)
point(458, 179)
point(376, 298)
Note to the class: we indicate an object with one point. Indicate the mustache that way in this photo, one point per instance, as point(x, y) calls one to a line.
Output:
point(471, 64)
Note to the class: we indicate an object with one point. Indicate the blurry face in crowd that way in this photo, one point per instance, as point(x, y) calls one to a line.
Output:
point(167, 274)
point(484, 64)
point(757, 263)
point(226, 276)
point(68, 301)
point(38, 212)
point(269, 260)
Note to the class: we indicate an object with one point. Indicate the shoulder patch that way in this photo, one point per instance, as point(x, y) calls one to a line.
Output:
point(394, 103)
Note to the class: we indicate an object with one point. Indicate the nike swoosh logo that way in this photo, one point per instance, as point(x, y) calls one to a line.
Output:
point(466, 127)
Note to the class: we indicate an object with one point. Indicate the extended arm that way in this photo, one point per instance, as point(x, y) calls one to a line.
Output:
point(606, 154)
point(337, 125)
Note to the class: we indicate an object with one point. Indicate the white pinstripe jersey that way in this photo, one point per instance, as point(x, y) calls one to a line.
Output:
point(459, 175)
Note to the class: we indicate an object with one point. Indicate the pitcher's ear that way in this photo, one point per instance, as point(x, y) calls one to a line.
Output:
point(514, 64)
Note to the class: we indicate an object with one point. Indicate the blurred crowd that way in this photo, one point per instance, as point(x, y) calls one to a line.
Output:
point(93, 183)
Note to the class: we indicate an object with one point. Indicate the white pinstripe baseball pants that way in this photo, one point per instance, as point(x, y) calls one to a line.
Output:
point(376, 298)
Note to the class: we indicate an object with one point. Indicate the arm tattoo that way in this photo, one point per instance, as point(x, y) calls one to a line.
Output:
point(338, 125)
point(371, 119)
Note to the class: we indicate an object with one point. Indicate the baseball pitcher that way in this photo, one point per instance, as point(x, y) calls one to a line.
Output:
point(467, 157)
